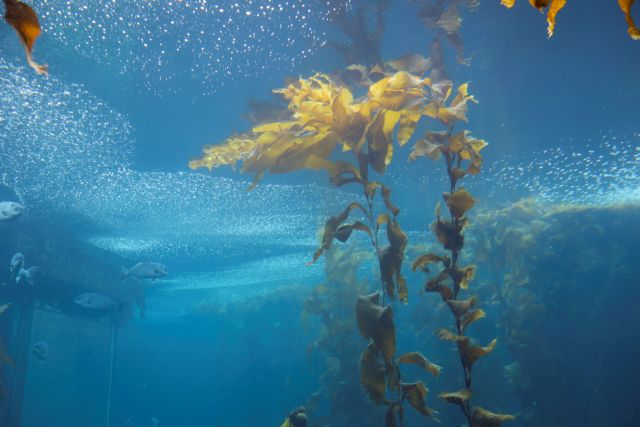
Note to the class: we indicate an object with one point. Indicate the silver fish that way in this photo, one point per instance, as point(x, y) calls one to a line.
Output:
point(40, 350)
point(28, 275)
point(145, 270)
point(17, 262)
point(96, 301)
point(10, 210)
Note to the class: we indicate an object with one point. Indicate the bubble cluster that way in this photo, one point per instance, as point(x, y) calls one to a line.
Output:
point(219, 40)
point(68, 156)
point(602, 171)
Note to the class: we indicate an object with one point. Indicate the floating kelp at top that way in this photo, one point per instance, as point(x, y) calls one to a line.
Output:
point(554, 6)
point(224, 41)
point(25, 21)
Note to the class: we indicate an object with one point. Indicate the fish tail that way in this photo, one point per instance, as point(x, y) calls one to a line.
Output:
point(123, 273)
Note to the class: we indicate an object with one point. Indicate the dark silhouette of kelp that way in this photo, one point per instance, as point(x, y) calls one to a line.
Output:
point(462, 156)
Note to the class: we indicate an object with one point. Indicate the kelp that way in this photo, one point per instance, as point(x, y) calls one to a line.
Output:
point(417, 358)
point(325, 118)
point(443, 16)
point(5, 359)
point(25, 22)
point(460, 397)
point(376, 322)
point(483, 418)
point(554, 6)
point(365, 40)
point(462, 157)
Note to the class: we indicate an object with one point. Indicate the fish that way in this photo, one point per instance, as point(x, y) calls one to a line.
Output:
point(96, 301)
point(10, 210)
point(17, 262)
point(27, 274)
point(40, 350)
point(145, 270)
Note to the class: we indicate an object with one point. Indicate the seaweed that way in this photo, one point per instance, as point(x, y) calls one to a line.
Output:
point(24, 20)
point(365, 40)
point(462, 156)
point(324, 116)
point(554, 6)
point(444, 17)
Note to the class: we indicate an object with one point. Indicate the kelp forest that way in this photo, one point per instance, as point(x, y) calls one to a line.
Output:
point(352, 124)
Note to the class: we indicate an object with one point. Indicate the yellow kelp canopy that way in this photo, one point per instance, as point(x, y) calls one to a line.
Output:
point(326, 114)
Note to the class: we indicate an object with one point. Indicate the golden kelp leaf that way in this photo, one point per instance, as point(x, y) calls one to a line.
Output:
point(382, 219)
point(432, 146)
point(392, 256)
point(459, 202)
point(470, 317)
point(436, 285)
point(340, 173)
point(467, 275)
point(457, 109)
point(483, 418)
point(386, 193)
point(25, 21)
point(416, 393)
point(330, 228)
point(286, 423)
point(380, 138)
point(471, 353)
point(459, 397)
point(425, 148)
point(359, 74)
point(407, 125)
point(450, 236)
point(417, 358)
point(625, 5)
point(460, 307)
point(539, 4)
point(403, 290)
point(394, 416)
point(446, 335)
point(372, 374)
point(424, 260)
point(411, 63)
point(508, 3)
point(399, 91)
point(343, 232)
point(450, 20)
point(376, 322)
point(556, 6)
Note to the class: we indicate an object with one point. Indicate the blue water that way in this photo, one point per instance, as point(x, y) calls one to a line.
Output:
point(97, 153)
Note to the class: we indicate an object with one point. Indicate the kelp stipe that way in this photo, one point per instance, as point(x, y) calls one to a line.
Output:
point(461, 154)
